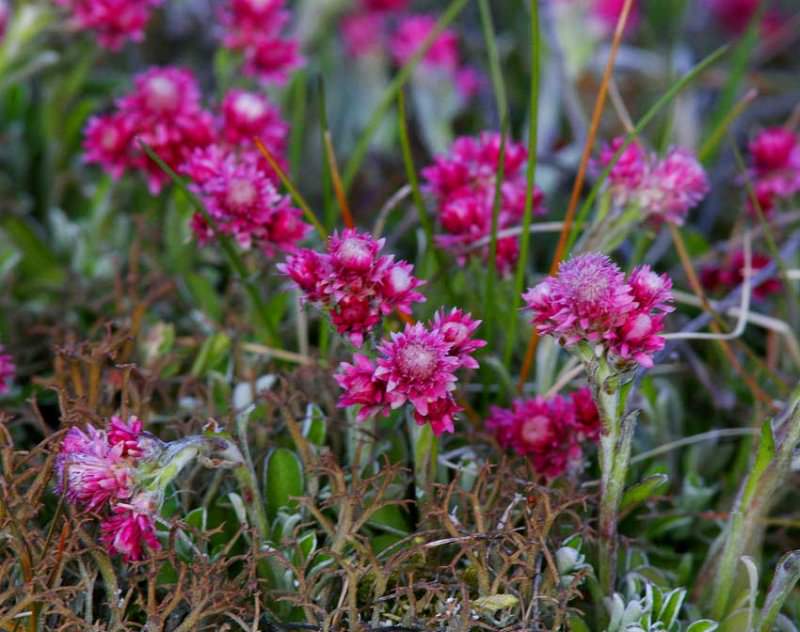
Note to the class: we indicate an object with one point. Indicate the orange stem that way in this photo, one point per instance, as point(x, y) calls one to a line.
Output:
point(336, 179)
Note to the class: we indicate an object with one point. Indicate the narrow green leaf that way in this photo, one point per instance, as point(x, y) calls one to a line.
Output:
point(640, 492)
point(283, 479)
point(314, 425)
point(392, 519)
point(787, 574)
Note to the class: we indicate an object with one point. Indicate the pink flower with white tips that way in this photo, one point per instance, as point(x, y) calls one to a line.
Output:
point(356, 284)
point(114, 21)
point(90, 471)
point(589, 300)
point(462, 183)
point(243, 202)
point(361, 387)
point(417, 367)
point(7, 372)
point(247, 115)
point(130, 527)
point(674, 186)
point(164, 112)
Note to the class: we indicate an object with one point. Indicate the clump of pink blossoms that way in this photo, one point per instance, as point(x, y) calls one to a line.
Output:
point(462, 184)
point(255, 29)
point(7, 371)
point(590, 301)
point(243, 201)
point(775, 167)
point(114, 21)
point(549, 431)
point(356, 284)
point(730, 274)
point(665, 189)
point(416, 366)
point(98, 471)
point(164, 112)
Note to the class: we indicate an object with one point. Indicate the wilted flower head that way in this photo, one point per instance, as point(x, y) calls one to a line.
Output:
point(730, 274)
point(589, 300)
point(415, 366)
point(549, 431)
point(242, 200)
point(463, 183)
point(7, 371)
point(164, 112)
point(354, 282)
point(130, 526)
point(114, 21)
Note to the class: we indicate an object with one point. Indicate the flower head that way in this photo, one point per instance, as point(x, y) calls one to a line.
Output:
point(247, 115)
point(674, 186)
point(463, 183)
point(589, 300)
point(130, 527)
point(242, 200)
point(410, 35)
point(730, 275)
point(628, 174)
point(775, 158)
point(549, 431)
point(114, 21)
point(363, 34)
point(7, 371)
point(354, 282)
point(457, 328)
point(361, 387)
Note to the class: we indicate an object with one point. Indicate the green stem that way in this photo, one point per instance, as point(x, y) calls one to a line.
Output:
point(533, 127)
point(491, 276)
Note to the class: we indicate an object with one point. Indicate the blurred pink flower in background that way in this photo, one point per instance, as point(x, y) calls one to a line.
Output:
point(7, 371)
point(411, 33)
point(5, 16)
point(735, 15)
point(548, 431)
point(730, 274)
point(462, 183)
point(363, 34)
point(775, 167)
point(247, 115)
point(114, 21)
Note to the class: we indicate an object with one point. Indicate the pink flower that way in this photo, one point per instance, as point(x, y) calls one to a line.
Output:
point(361, 387)
point(462, 183)
point(254, 27)
point(410, 36)
point(130, 435)
point(385, 5)
point(674, 186)
point(730, 275)
point(130, 527)
point(114, 21)
point(775, 155)
point(606, 14)
point(7, 372)
point(164, 112)
point(628, 173)
point(246, 115)
point(243, 202)
point(547, 431)
point(5, 15)
point(363, 34)
point(356, 284)
point(416, 366)
point(735, 16)
point(589, 300)
point(90, 471)
point(457, 328)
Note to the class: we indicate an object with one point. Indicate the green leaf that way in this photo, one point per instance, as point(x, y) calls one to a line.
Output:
point(204, 295)
point(576, 624)
point(672, 603)
point(640, 492)
point(197, 518)
point(764, 457)
point(787, 574)
point(214, 350)
point(314, 425)
point(703, 625)
point(495, 602)
point(283, 479)
point(391, 518)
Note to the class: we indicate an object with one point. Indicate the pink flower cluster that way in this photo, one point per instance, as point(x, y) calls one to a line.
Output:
point(7, 371)
point(735, 15)
point(730, 275)
point(463, 184)
point(242, 200)
point(255, 29)
point(114, 21)
point(416, 366)
point(549, 431)
point(356, 284)
point(164, 111)
point(775, 167)
point(665, 189)
point(591, 301)
point(375, 28)
point(97, 470)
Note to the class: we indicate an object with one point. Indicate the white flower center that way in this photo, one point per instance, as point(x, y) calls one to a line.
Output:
point(417, 361)
point(241, 193)
point(249, 106)
point(162, 94)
